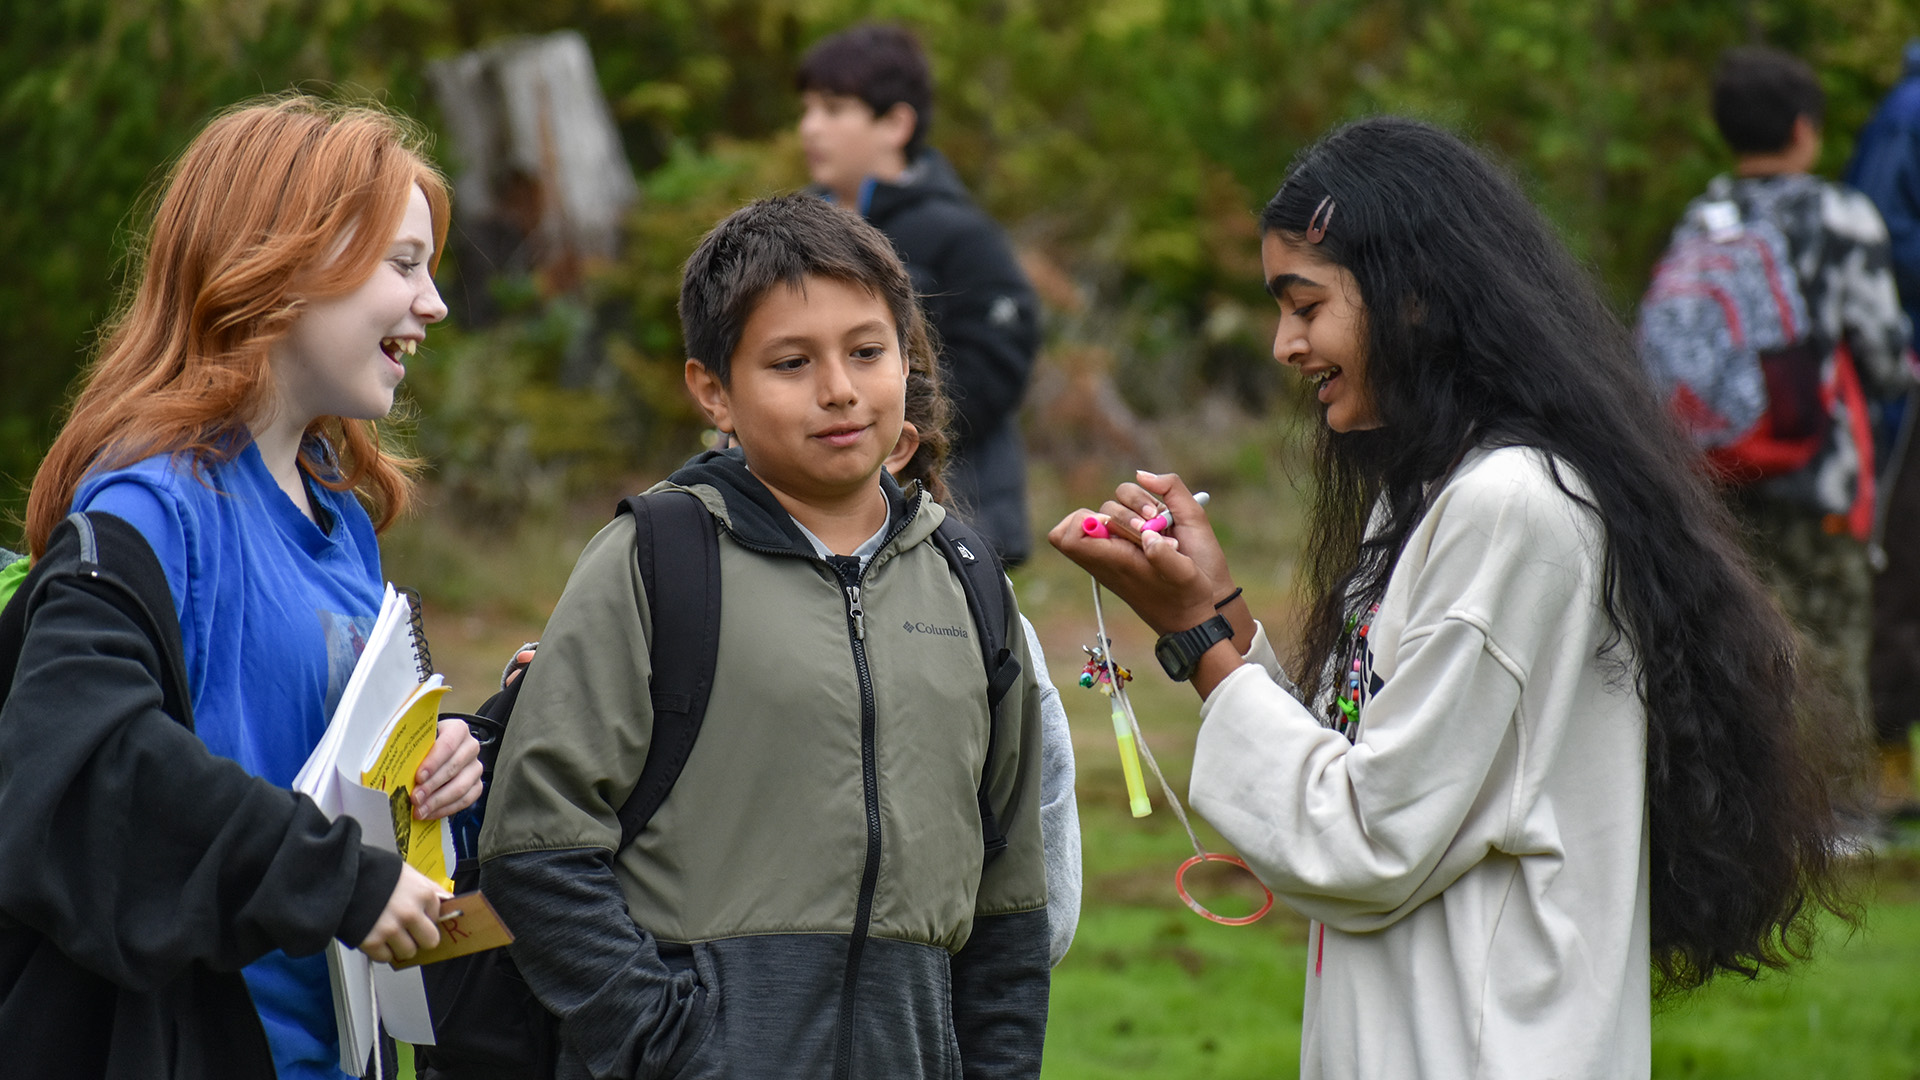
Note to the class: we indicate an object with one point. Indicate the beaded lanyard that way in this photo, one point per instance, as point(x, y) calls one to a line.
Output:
point(1108, 677)
point(1343, 714)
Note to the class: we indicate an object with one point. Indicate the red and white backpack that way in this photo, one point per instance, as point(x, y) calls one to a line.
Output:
point(1725, 335)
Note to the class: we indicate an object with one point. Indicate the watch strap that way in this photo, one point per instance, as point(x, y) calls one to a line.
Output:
point(1180, 652)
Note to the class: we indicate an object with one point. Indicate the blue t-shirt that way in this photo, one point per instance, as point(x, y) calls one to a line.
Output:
point(273, 614)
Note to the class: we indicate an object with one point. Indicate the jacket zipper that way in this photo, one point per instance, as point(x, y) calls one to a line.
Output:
point(870, 788)
point(869, 775)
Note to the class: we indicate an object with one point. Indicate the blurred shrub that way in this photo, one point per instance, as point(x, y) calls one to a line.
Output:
point(1126, 143)
point(513, 418)
point(96, 98)
point(500, 436)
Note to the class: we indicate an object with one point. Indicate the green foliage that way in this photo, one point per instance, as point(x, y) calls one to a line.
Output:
point(96, 98)
point(1850, 1014)
point(1155, 991)
point(504, 438)
point(1127, 144)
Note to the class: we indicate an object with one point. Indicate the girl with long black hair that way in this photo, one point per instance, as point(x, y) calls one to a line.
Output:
point(1544, 756)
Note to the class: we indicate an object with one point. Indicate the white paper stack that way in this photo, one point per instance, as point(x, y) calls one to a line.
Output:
point(365, 993)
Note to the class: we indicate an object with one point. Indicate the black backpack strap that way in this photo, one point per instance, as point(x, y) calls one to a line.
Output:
point(990, 602)
point(489, 1023)
point(678, 548)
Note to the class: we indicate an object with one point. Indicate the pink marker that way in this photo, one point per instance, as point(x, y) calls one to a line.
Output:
point(1094, 527)
point(1163, 520)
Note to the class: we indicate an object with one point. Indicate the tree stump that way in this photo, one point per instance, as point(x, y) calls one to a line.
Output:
point(543, 183)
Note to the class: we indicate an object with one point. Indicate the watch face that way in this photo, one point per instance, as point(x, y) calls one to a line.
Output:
point(1172, 658)
point(1178, 653)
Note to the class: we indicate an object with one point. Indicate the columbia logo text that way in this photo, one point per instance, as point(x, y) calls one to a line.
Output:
point(937, 631)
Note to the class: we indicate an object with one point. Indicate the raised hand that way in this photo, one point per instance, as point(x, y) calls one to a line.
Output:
point(1152, 572)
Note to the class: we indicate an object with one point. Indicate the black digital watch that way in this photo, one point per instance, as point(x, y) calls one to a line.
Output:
point(1179, 652)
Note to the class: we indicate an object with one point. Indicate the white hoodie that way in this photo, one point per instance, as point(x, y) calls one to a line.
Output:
point(1476, 863)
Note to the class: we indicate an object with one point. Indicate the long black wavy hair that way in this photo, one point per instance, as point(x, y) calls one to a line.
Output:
point(1481, 330)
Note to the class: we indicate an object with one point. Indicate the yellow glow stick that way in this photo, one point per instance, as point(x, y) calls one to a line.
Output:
point(1129, 757)
point(1111, 679)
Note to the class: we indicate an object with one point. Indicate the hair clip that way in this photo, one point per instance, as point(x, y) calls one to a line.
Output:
point(1317, 225)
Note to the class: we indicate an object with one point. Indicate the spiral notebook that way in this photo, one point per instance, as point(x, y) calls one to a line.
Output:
point(390, 674)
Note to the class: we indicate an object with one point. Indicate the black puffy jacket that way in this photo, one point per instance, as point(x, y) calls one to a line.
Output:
point(988, 321)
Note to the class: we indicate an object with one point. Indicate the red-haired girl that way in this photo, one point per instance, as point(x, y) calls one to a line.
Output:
point(165, 897)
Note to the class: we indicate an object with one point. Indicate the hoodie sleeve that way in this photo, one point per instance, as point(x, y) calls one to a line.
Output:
point(1001, 975)
point(1059, 812)
point(1871, 318)
point(129, 844)
point(1355, 835)
point(1358, 835)
point(553, 824)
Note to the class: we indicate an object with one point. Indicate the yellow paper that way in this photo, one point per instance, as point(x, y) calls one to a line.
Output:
point(408, 743)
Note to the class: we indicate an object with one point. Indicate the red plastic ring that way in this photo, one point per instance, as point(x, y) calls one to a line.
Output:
point(1180, 886)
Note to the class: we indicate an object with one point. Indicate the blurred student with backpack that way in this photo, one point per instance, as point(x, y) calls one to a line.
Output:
point(1886, 168)
point(867, 101)
point(1774, 327)
point(846, 878)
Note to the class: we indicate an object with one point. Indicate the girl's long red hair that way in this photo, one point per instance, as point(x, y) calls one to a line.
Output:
point(276, 202)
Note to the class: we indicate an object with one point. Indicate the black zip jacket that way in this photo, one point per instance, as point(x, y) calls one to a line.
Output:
point(988, 323)
point(139, 872)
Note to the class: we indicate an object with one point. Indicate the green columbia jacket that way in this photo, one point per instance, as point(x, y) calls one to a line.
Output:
point(813, 899)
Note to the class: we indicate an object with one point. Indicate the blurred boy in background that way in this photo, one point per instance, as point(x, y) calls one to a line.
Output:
point(867, 101)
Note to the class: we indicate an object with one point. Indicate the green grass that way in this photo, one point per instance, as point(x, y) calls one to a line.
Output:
point(1853, 1012)
point(1156, 991)
point(1151, 990)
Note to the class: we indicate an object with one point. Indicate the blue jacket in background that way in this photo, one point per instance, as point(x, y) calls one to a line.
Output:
point(1886, 167)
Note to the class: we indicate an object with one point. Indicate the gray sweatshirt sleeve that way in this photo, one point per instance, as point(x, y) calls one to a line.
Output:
point(623, 1012)
point(1059, 811)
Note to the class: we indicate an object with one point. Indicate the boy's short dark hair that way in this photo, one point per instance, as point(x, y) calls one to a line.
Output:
point(1758, 93)
point(780, 241)
point(879, 64)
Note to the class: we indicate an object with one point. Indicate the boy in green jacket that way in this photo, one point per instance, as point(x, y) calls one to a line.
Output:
point(814, 898)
